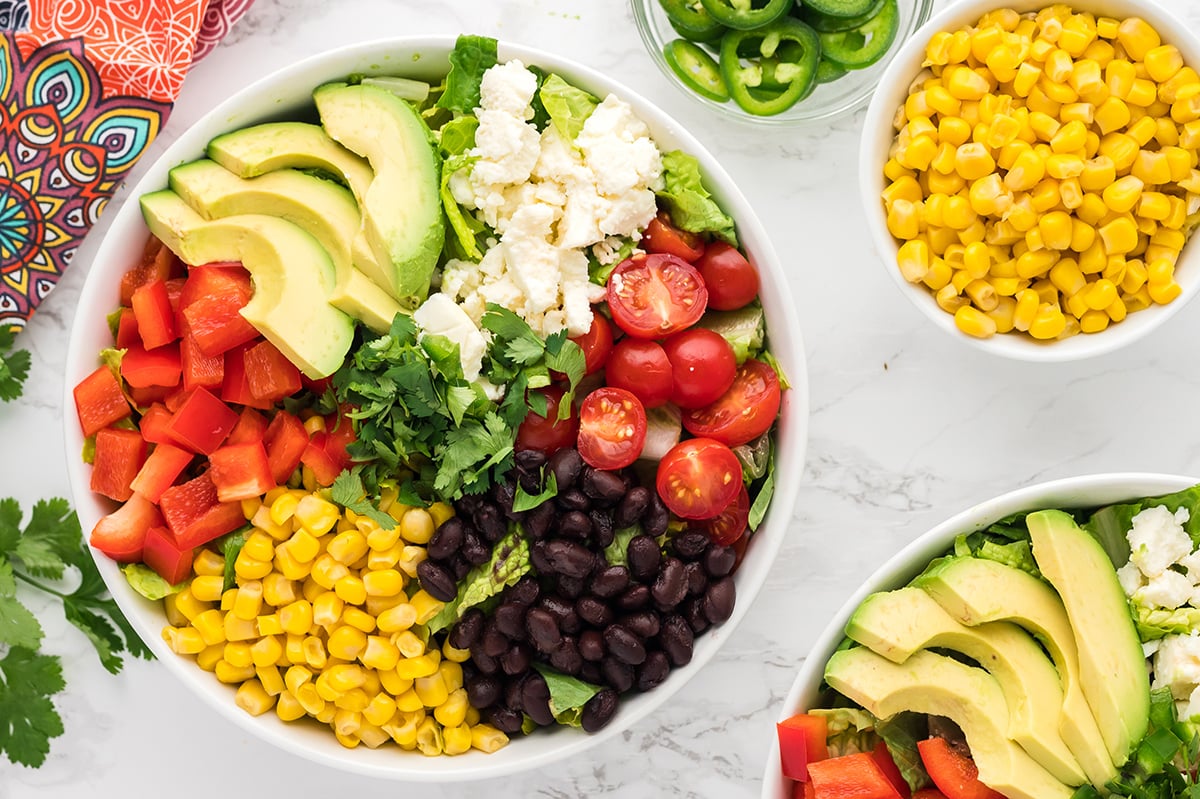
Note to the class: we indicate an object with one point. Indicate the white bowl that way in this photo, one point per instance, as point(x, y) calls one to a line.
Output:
point(873, 154)
point(286, 94)
point(1087, 491)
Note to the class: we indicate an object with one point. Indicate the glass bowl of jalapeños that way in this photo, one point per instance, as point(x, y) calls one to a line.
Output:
point(777, 62)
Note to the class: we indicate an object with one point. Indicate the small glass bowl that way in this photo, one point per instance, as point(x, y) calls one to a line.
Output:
point(827, 101)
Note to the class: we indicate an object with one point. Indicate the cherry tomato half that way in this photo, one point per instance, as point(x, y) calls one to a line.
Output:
point(698, 478)
point(597, 343)
point(651, 296)
point(730, 524)
point(547, 433)
point(663, 237)
point(744, 412)
point(731, 280)
point(702, 367)
point(612, 428)
point(641, 367)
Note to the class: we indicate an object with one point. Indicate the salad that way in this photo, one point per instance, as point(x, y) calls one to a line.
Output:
point(439, 421)
point(1052, 654)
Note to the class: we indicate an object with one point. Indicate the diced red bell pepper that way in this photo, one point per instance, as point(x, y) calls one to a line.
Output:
point(270, 374)
point(99, 401)
point(143, 368)
point(161, 470)
point(251, 427)
point(127, 330)
point(202, 422)
point(318, 386)
point(855, 776)
point(316, 457)
point(175, 294)
point(174, 401)
point(121, 534)
point(801, 741)
point(156, 320)
point(340, 428)
point(804, 790)
point(955, 775)
point(286, 440)
point(883, 758)
point(929, 793)
point(158, 263)
point(145, 397)
point(198, 368)
point(119, 456)
point(195, 515)
point(211, 300)
point(159, 552)
point(153, 424)
point(236, 388)
point(241, 471)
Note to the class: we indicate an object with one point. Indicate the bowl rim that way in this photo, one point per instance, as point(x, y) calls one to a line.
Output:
point(890, 93)
point(898, 569)
point(246, 107)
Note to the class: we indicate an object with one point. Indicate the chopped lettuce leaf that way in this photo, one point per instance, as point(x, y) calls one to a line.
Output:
point(597, 272)
point(1110, 524)
point(472, 56)
point(148, 583)
point(690, 205)
point(568, 695)
point(758, 506)
point(901, 733)
point(464, 227)
point(664, 426)
point(89, 450)
point(508, 564)
point(848, 729)
point(568, 106)
point(744, 329)
point(617, 552)
point(1154, 622)
point(1018, 554)
point(415, 91)
point(456, 137)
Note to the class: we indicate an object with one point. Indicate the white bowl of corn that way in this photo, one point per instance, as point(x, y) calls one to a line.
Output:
point(1029, 173)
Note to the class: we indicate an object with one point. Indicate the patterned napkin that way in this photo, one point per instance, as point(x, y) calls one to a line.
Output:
point(85, 86)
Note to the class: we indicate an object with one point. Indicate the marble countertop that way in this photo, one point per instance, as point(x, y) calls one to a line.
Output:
point(908, 426)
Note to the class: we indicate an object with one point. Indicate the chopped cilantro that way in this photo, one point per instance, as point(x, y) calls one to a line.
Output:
point(14, 365)
point(347, 490)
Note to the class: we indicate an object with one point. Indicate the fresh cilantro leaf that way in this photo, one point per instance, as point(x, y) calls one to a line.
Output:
point(18, 626)
point(504, 324)
point(92, 610)
point(568, 695)
point(523, 501)
point(347, 490)
point(51, 537)
point(230, 546)
point(28, 719)
point(524, 350)
point(14, 365)
point(10, 525)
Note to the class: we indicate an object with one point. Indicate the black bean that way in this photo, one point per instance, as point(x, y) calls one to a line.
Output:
point(656, 517)
point(591, 672)
point(509, 618)
point(543, 629)
point(599, 710)
point(483, 661)
point(624, 645)
point(644, 624)
point(460, 567)
point(719, 560)
point(567, 658)
point(538, 520)
point(484, 691)
point(467, 630)
point(610, 581)
point(573, 499)
point(670, 586)
point(602, 526)
point(563, 612)
point(677, 640)
point(529, 460)
point(530, 481)
point(535, 696)
point(503, 494)
point(537, 557)
point(525, 592)
point(593, 611)
point(468, 503)
point(446, 540)
point(570, 558)
point(617, 674)
point(473, 548)
point(513, 692)
point(695, 578)
point(653, 671)
point(644, 556)
point(566, 465)
point(635, 597)
point(574, 524)
point(571, 587)
point(490, 522)
point(718, 600)
point(506, 720)
point(693, 610)
point(493, 642)
point(517, 659)
point(632, 506)
point(603, 486)
point(437, 582)
point(690, 544)
point(591, 645)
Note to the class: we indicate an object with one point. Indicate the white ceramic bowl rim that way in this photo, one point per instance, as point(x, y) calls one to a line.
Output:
point(283, 94)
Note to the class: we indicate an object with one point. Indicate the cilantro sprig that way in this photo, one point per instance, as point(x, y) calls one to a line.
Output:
point(39, 556)
point(14, 365)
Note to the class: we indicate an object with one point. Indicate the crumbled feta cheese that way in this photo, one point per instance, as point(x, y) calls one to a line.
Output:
point(1131, 578)
point(440, 316)
point(1177, 664)
point(1192, 564)
point(1192, 708)
point(1168, 590)
point(1150, 647)
point(1157, 540)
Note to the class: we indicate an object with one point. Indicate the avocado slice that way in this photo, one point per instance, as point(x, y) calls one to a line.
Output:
point(292, 274)
point(897, 624)
point(941, 686)
point(1112, 666)
point(977, 591)
point(324, 209)
point(402, 210)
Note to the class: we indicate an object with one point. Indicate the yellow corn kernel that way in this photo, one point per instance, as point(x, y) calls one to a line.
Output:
point(310, 589)
point(308, 698)
point(208, 658)
point(175, 618)
point(184, 640)
point(982, 294)
point(1093, 321)
point(939, 275)
point(189, 605)
point(1151, 167)
point(381, 710)
point(287, 566)
point(1121, 148)
point(972, 161)
point(429, 738)
point(326, 572)
point(350, 588)
point(1179, 162)
point(252, 698)
point(349, 546)
point(919, 152)
point(1026, 79)
point(346, 642)
point(1176, 213)
point(296, 618)
point(327, 608)
point(1026, 309)
point(208, 588)
point(1064, 165)
point(966, 84)
point(487, 738)
point(1165, 293)
point(1056, 229)
point(960, 280)
point(1123, 194)
point(261, 520)
point(903, 221)
point(1056, 93)
point(248, 601)
point(1085, 77)
point(250, 568)
point(383, 538)
point(957, 215)
point(315, 654)
point(385, 582)
point(1058, 65)
point(269, 625)
point(315, 515)
point(228, 673)
point(1142, 94)
point(1026, 172)
point(265, 651)
point(431, 689)
point(974, 322)
point(1117, 311)
point(1048, 323)
point(1070, 194)
point(1067, 277)
point(259, 546)
point(1100, 294)
point(1137, 37)
point(949, 300)
point(314, 424)
point(1119, 236)
point(1092, 209)
point(1097, 173)
point(208, 564)
point(380, 653)
point(1082, 113)
point(295, 677)
point(211, 625)
point(288, 708)
point(977, 259)
point(1043, 125)
point(358, 619)
point(1167, 132)
point(426, 606)
point(1154, 205)
point(1160, 272)
point(227, 598)
point(278, 590)
point(283, 508)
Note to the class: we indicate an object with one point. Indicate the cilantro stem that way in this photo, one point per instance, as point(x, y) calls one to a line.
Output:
point(29, 580)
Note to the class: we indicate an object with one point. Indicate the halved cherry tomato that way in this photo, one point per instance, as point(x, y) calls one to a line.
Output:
point(698, 478)
point(663, 237)
point(744, 412)
point(651, 296)
point(731, 280)
point(597, 343)
point(732, 523)
point(548, 433)
point(612, 428)
point(702, 367)
point(955, 775)
point(642, 367)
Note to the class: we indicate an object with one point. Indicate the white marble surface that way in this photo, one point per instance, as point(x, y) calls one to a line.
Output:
point(908, 427)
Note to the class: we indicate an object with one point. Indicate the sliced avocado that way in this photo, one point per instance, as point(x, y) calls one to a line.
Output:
point(941, 686)
point(896, 624)
point(325, 210)
point(256, 150)
point(402, 210)
point(977, 591)
point(292, 275)
point(1112, 666)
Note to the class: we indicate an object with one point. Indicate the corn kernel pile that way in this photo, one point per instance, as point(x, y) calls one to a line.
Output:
point(325, 622)
point(1044, 178)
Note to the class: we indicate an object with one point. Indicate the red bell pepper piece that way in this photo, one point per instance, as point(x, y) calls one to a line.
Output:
point(195, 515)
point(316, 457)
point(340, 428)
point(804, 790)
point(160, 553)
point(801, 741)
point(119, 456)
point(158, 263)
point(156, 320)
point(202, 422)
point(955, 775)
point(855, 776)
point(99, 401)
point(145, 397)
point(153, 424)
point(241, 471)
point(127, 330)
point(143, 368)
point(236, 388)
point(175, 294)
point(211, 300)
point(285, 439)
point(198, 368)
point(251, 427)
point(174, 400)
point(270, 374)
point(929, 793)
point(160, 471)
point(883, 758)
point(120, 534)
